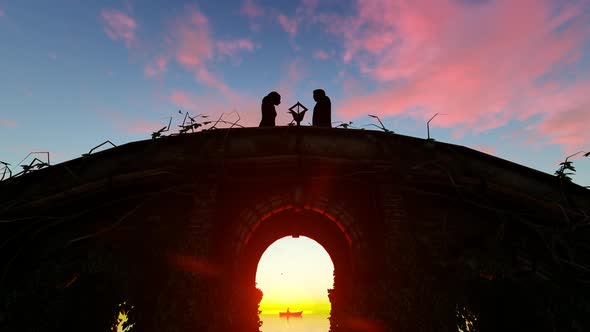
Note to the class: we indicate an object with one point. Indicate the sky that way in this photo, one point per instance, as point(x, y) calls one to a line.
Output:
point(295, 273)
point(507, 77)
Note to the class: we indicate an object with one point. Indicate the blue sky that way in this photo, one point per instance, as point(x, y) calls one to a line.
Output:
point(511, 77)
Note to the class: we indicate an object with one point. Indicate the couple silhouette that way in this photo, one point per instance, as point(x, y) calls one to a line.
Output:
point(322, 111)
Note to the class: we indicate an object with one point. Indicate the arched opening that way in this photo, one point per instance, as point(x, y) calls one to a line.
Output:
point(294, 275)
point(292, 223)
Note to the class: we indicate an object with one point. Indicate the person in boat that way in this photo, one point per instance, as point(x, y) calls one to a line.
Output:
point(290, 313)
point(269, 112)
point(322, 112)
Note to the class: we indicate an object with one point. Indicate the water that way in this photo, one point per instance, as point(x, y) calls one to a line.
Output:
point(309, 323)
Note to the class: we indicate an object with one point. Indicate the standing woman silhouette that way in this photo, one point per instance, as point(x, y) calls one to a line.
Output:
point(268, 109)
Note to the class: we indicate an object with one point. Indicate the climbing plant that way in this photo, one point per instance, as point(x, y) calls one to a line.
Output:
point(566, 168)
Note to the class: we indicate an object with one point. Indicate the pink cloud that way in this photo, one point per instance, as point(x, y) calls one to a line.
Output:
point(250, 9)
point(567, 115)
point(183, 99)
point(119, 26)
point(191, 43)
point(304, 13)
point(203, 75)
point(191, 39)
point(232, 47)
point(320, 54)
point(289, 25)
point(156, 67)
point(141, 126)
point(248, 107)
point(193, 47)
point(477, 63)
point(214, 106)
point(2, 14)
point(8, 123)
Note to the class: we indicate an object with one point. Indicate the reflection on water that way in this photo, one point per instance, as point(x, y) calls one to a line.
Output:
point(309, 323)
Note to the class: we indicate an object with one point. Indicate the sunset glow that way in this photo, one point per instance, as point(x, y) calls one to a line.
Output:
point(295, 273)
point(509, 77)
point(432, 111)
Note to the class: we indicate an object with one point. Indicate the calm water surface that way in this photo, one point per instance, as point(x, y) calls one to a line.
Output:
point(310, 323)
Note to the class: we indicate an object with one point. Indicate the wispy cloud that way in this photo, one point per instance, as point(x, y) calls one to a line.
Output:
point(156, 67)
point(2, 14)
point(230, 48)
point(191, 39)
point(483, 64)
point(250, 9)
point(8, 123)
point(288, 24)
point(193, 47)
point(304, 12)
point(214, 106)
point(183, 99)
point(321, 54)
point(119, 26)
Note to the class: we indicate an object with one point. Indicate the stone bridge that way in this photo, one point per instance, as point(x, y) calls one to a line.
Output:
point(424, 235)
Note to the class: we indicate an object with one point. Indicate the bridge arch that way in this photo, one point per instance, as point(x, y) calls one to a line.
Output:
point(336, 232)
point(417, 220)
point(339, 225)
point(306, 223)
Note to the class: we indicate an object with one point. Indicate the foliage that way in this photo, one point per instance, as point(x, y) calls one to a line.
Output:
point(466, 320)
point(158, 133)
point(192, 125)
point(122, 323)
point(566, 168)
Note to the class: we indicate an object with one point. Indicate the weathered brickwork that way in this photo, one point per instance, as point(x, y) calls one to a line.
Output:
point(419, 232)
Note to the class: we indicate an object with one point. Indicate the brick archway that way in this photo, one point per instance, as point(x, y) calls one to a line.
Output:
point(264, 219)
point(420, 219)
point(254, 215)
point(302, 223)
point(291, 222)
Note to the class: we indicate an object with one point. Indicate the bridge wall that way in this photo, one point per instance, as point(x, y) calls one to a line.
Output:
point(420, 232)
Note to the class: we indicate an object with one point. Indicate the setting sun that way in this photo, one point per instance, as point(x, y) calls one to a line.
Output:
point(295, 273)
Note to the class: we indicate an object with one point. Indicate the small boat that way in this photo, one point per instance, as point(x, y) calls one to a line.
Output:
point(290, 313)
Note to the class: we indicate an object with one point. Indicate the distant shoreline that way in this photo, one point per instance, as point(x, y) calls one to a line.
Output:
point(308, 314)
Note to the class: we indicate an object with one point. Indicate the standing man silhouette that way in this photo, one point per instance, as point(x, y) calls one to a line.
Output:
point(322, 112)
point(269, 112)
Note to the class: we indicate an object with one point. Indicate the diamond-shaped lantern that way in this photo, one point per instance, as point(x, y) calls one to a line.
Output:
point(297, 114)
